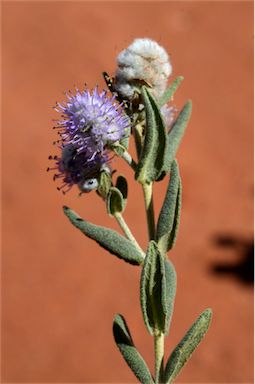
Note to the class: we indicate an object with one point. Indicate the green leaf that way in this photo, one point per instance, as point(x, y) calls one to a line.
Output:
point(186, 347)
point(175, 135)
point(105, 183)
point(170, 293)
point(168, 94)
point(121, 146)
point(177, 216)
point(170, 212)
point(111, 240)
point(153, 154)
point(157, 290)
point(115, 201)
point(126, 346)
point(125, 140)
point(118, 149)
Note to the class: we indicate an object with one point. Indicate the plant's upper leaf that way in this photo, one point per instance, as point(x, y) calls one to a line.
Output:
point(168, 94)
point(175, 135)
point(152, 158)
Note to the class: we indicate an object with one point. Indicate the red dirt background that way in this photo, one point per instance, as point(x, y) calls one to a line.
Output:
point(60, 291)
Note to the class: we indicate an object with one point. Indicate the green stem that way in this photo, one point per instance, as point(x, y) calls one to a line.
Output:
point(128, 159)
point(148, 199)
point(159, 356)
point(138, 139)
point(118, 216)
point(158, 336)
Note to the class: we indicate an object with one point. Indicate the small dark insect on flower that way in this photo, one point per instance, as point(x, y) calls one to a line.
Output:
point(91, 124)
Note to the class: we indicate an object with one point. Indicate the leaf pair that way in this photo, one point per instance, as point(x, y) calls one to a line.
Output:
point(178, 357)
point(110, 240)
point(157, 290)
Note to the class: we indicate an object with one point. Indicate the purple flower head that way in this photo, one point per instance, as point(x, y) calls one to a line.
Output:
point(92, 122)
point(76, 168)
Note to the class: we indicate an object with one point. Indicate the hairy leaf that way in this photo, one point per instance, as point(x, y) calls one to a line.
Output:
point(187, 346)
point(175, 135)
point(157, 290)
point(152, 159)
point(168, 94)
point(126, 346)
point(177, 216)
point(170, 293)
point(125, 140)
point(105, 183)
point(111, 240)
point(169, 215)
point(115, 201)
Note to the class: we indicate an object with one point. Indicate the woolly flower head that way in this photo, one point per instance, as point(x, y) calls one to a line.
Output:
point(143, 61)
point(91, 124)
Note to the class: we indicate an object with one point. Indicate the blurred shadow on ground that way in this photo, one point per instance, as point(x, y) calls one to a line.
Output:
point(242, 268)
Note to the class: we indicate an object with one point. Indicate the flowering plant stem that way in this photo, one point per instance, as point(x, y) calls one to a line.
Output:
point(148, 200)
point(95, 126)
point(125, 228)
point(159, 356)
point(129, 160)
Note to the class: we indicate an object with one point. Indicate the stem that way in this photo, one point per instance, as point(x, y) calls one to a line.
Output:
point(148, 199)
point(128, 159)
point(158, 336)
point(159, 356)
point(118, 216)
point(138, 139)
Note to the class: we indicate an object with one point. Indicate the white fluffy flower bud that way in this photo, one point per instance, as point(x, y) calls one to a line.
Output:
point(144, 61)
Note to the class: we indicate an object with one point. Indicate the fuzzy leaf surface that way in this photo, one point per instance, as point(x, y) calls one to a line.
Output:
point(168, 94)
point(167, 221)
point(177, 217)
point(105, 183)
point(187, 346)
point(170, 293)
point(125, 140)
point(157, 290)
point(175, 135)
point(128, 350)
point(151, 161)
point(115, 201)
point(110, 240)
